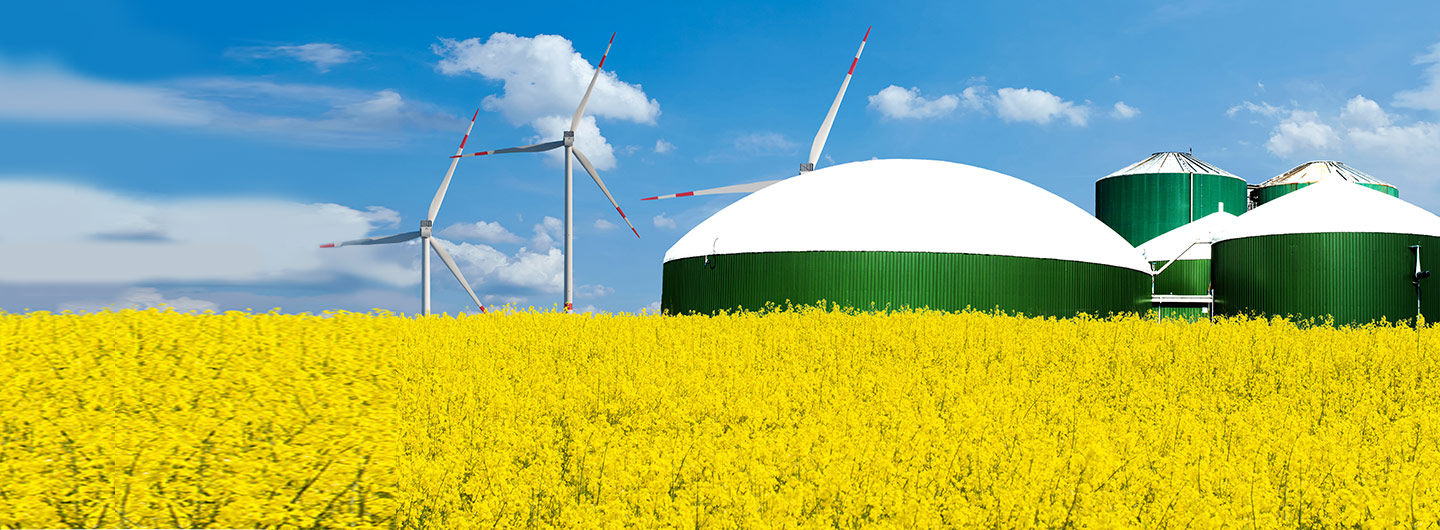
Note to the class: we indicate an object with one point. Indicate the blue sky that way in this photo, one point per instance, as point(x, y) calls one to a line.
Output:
point(196, 154)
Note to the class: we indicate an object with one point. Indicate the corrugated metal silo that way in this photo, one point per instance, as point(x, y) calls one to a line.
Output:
point(1164, 192)
point(1312, 172)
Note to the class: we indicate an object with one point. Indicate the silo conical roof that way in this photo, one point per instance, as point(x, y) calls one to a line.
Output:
point(1170, 162)
point(1170, 245)
point(1335, 205)
point(1323, 170)
point(900, 205)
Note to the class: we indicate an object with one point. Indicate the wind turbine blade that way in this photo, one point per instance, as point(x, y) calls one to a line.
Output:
point(445, 184)
point(575, 122)
point(533, 148)
point(455, 269)
point(737, 188)
point(378, 240)
point(591, 169)
point(824, 133)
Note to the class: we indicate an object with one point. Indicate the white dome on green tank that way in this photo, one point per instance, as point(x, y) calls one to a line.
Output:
point(905, 233)
point(902, 205)
point(1172, 244)
point(1331, 249)
point(1334, 205)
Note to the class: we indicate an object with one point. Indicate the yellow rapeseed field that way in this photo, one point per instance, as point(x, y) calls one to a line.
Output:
point(792, 419)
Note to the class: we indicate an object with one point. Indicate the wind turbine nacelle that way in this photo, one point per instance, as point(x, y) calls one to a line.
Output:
point(425, 227)
point(807, 167)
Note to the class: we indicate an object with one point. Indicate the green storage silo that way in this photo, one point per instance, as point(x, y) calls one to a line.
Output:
point(1164, 192)
point(1181, 259)
point(905, 233)
point(1332, 248)
point(1312, 172)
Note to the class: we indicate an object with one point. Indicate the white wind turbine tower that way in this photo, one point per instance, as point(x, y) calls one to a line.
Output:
point(425, 238)
point(568, 142)
point(815, 147)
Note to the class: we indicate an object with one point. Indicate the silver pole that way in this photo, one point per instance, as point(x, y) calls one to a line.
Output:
point(569, 232)
point(425, 276)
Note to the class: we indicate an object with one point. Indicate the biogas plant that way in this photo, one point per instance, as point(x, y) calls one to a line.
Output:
point(1170, 233)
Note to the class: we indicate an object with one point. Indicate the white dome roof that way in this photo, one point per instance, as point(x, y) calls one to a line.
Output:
point(1323, 170)
point(1334, 206)
point(1169, 245)
point(908, 206)
point(1170, 162)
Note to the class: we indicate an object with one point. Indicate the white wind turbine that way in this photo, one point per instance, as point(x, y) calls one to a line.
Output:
point(425, 238)
point(815, 147)
point(568, 142)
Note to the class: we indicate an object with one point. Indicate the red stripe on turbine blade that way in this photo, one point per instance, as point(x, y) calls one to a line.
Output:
point(867, 33)
point(686, 194)
point(482, 309)
point(637, 234)
point(852, 66)
point(328, 245)
point(649, 198)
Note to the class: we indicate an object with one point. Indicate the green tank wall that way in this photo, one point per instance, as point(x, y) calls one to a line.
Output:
point(1190, 276)
point(866, 280)
point(1270, 193)
point(1141, 207)
point(1186, 312)
point(1355, 277)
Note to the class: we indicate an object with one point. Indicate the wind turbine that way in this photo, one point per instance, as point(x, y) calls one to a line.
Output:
point(815, 147)
point(568, 142)
point(425, 238)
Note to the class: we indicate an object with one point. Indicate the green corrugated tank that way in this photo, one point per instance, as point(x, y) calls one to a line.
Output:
point(1333, 248)
point(904, 233)
point(1164, 192)
point(1316, 171)
point(1182, 259)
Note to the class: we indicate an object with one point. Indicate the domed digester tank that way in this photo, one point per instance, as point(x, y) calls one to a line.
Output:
point(1164, 192)
point(1333, 248)
point(905, 233)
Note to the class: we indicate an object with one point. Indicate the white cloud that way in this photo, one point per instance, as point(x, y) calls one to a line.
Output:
point(543, 79)
point(1123, 111)
point(141, 298)
point(321, 54)
point(1428, 96)
point(1389, 146)
point(664, 222)
point(1010, 104)
point(307, 113)
point(547, 233)
point(1361, 112)
point(48, 93)
point(898, 103)
point(601, 224)
point(662, 146)
point(91, 235)
point(1037, 106)
point(482, 231)
point(764, 143)
point(1302, 131)
point(1263, 109)
point(975, 98)
point(527, 270)
point(652, 308)
point(593, 291)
